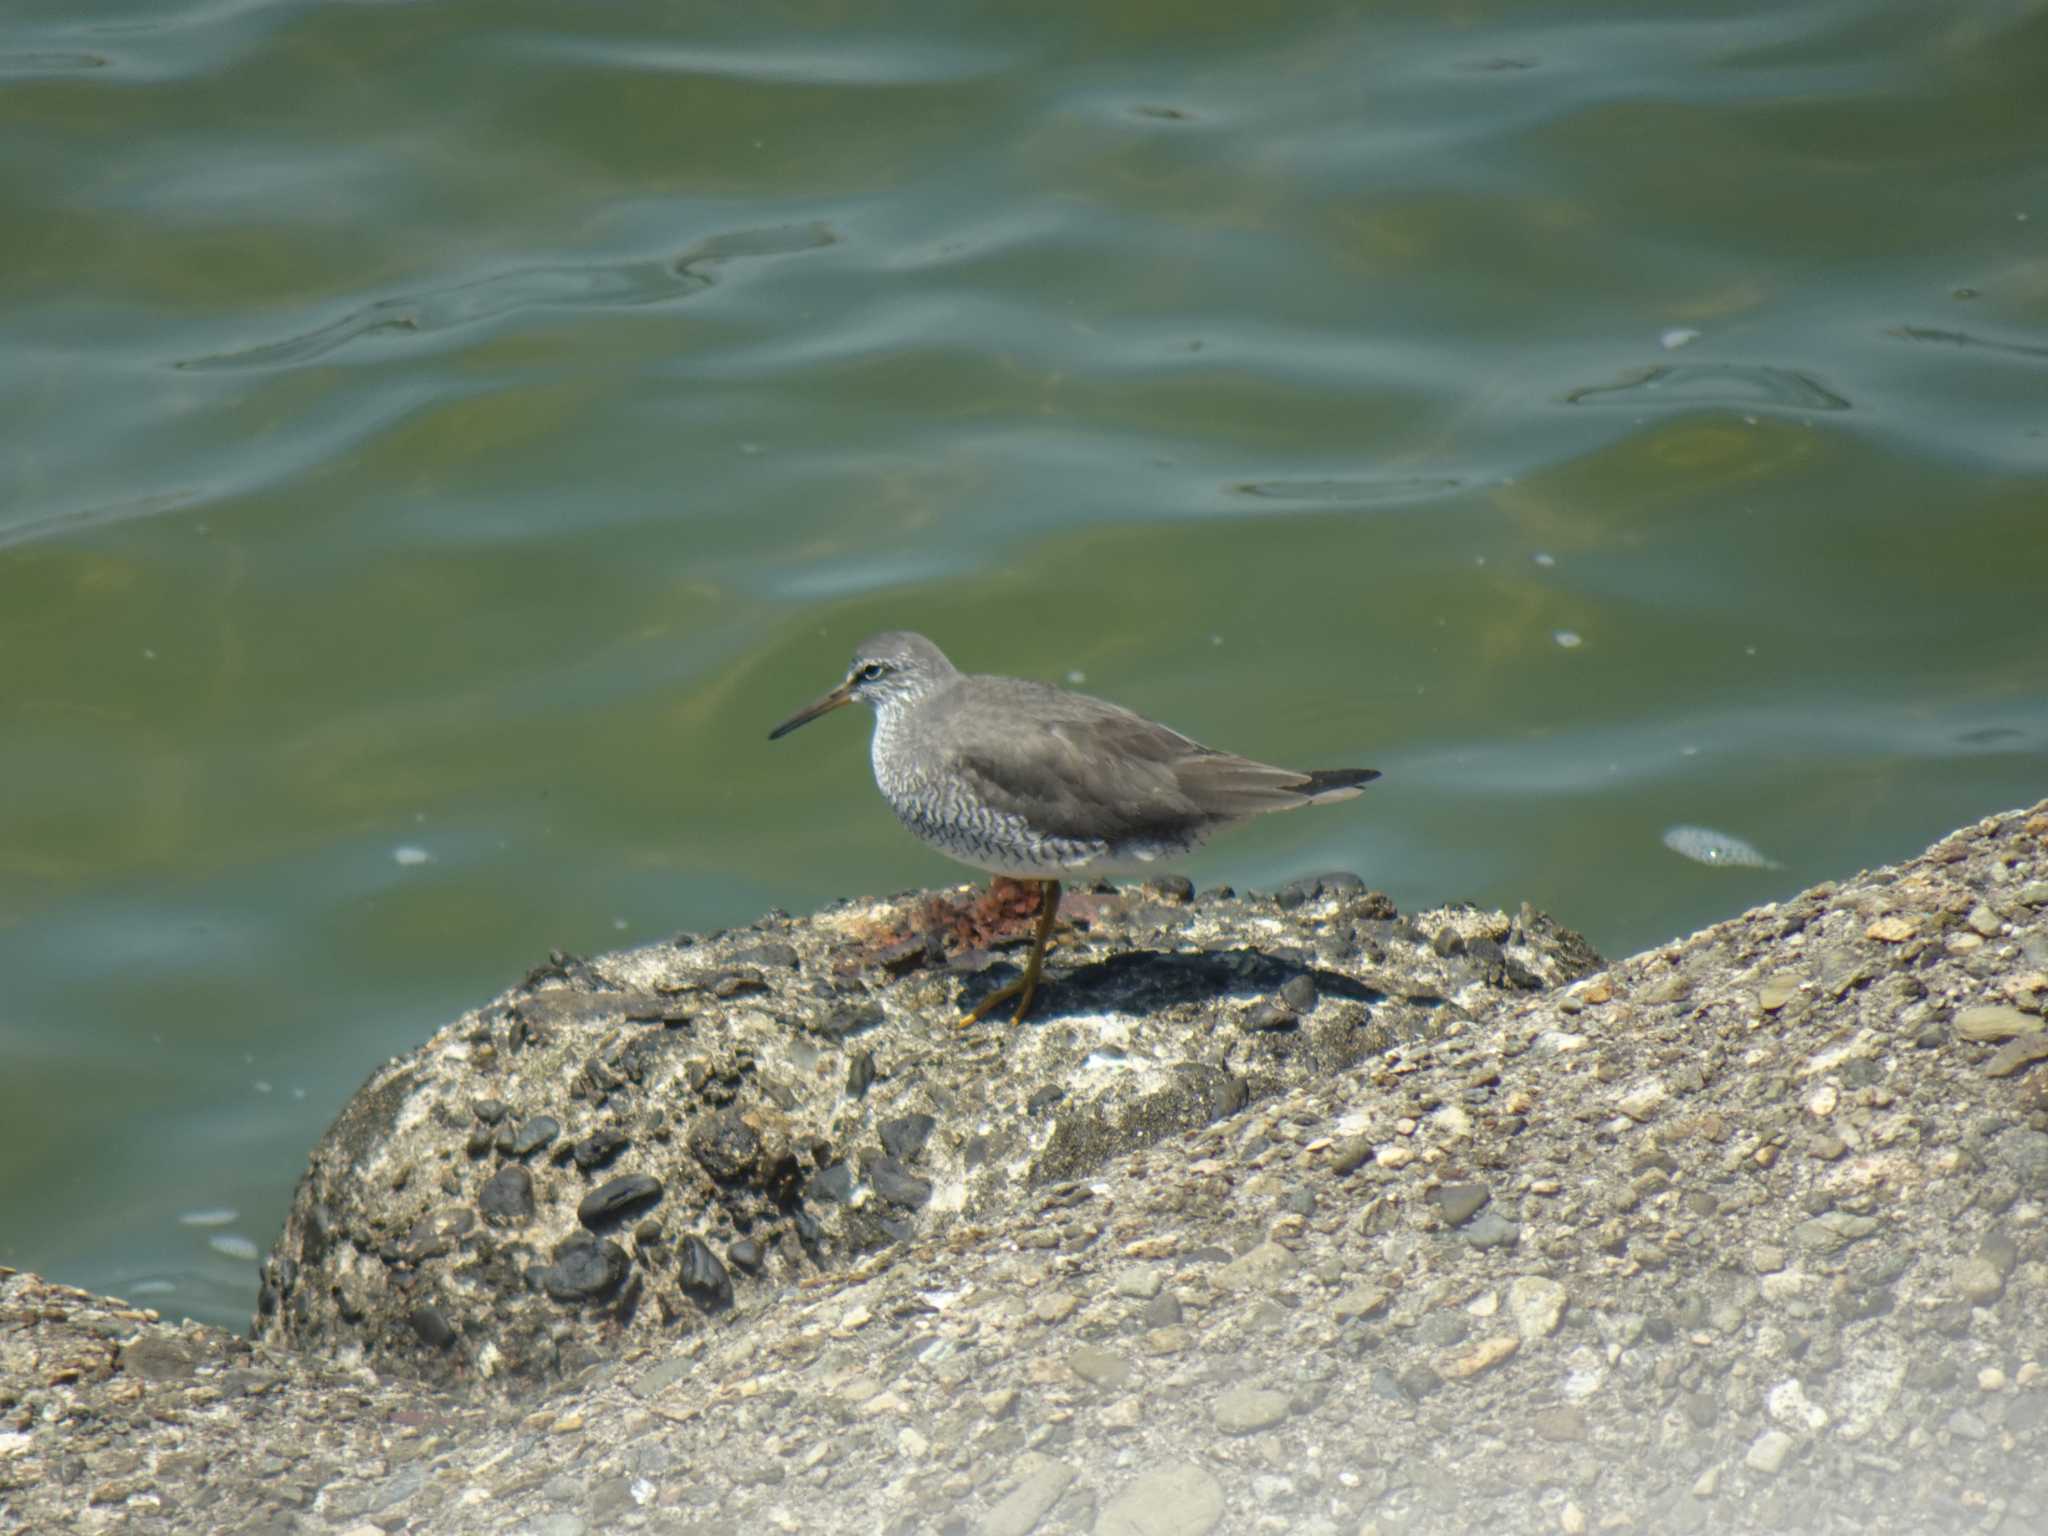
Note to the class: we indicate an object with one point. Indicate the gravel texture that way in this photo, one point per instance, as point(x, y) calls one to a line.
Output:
point(1745, 1234)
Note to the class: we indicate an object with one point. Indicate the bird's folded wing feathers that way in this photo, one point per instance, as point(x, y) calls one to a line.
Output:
point(1091, 770)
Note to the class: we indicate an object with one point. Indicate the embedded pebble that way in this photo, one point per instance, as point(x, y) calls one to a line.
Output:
point(1101, 1367)
point(1458, 1203)
point(1139, 1281)
point(1483, 1356)
point(703, 1279)
point(1019, 1510)
point(1360, 1301)
point(897, 1184)
point(616, 1199)
point(598, 1149)
point(507, 1196)
point(1836, 1229)
point(1174, 1499)
point(2014, 1054)
point(1768, 1451)
point(1977, 1280)
point(1993, 1021)
point(1536, 1303)
point(904, 1136)
point(1642, 1101)
point(529, 1136)
point(1299, 993)
point(1263, 1266)
point(1054, 1306)
point(1491, 1230)
point(1778, 990)
point(725, 1146)
point(432, 1325)
point(1243, 1410)
point(585, 1268)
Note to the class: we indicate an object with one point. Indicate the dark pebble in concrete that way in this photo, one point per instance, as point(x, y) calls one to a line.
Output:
point(1458, 1203)
point(1493, 1230)
point(905, 1136)
point(1045, 1098)
point(897, 1184)
point(1861, 1072)
point(725, 1145)
point(748, 1255)
point(906, 955)
point(1162, 1311)
point(507, 1196)
point(1350, 1153)
point(432, 1325)
point(599, 1148)
point(627, 1195)
point(704, 1280)
point(834, 1184)
point(528, 1137)
point(1271, 1014)
point(1442, 1330)
point(1178, 889)
point(860, 1074)
point(1336, 882)
point(585, 1269)
point(774, 953)
point(1447, 942)
point(1418, 1381)
point(1299, 994)
point(490, 1111)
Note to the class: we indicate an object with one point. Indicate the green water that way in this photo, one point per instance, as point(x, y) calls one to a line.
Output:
point(441, 439)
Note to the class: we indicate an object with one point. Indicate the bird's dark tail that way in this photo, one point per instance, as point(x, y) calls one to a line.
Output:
point(1337, 783)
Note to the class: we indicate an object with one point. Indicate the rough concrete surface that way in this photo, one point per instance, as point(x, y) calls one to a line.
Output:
point(1282, 1215)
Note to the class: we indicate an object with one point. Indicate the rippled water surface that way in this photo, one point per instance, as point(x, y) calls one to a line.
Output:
point(441, 439)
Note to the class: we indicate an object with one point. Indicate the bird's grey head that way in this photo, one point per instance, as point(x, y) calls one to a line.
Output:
point(889, 670)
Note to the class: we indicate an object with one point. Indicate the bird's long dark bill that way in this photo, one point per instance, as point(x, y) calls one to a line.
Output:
point(831, 701)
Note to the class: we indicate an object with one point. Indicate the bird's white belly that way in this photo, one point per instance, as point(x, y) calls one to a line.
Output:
point(946, 816)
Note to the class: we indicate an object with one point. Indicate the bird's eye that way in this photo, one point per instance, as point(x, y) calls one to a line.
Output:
point(872, 671)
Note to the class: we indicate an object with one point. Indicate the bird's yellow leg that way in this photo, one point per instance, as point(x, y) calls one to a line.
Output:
point(1026, 985)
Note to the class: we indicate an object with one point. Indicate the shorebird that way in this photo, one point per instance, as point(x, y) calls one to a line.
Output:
point(1034, 782)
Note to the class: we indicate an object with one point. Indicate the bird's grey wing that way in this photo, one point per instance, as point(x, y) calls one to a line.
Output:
point(1086, 768)
point(1070, 766)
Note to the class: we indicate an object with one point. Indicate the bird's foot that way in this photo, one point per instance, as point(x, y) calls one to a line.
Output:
point(1026, 985)
point(1023, 989)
